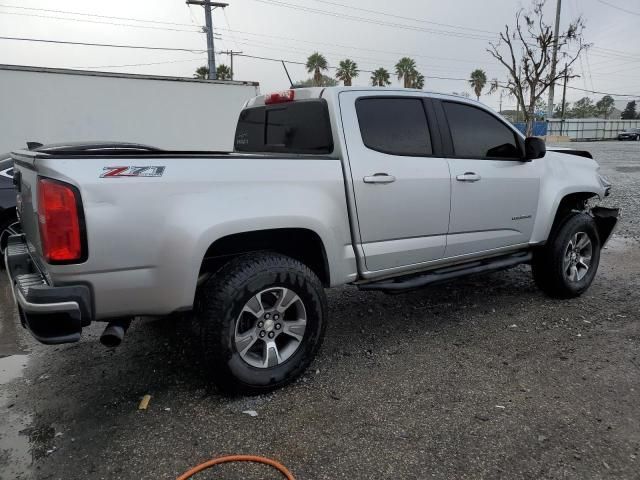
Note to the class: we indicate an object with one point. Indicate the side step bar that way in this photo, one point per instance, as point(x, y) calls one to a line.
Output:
point(446, 274)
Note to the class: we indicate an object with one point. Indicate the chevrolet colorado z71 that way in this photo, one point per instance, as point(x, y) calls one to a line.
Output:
point(386, 189)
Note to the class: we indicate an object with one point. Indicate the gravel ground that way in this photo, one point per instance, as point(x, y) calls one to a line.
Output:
point(484, 378)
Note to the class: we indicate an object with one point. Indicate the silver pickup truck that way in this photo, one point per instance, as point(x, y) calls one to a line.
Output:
point(382, 188)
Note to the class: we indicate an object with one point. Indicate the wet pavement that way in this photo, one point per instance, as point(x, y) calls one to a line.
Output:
point(15, 458)
point(483, 378)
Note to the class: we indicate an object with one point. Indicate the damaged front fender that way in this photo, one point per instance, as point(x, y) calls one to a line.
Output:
point(606, 220)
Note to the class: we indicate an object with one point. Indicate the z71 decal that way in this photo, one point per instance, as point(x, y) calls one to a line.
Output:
point(108, 172)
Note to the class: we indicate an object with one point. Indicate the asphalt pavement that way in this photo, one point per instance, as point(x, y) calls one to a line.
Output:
point(483, 378)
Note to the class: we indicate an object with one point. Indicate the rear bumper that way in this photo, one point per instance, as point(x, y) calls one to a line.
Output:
point(53, 315)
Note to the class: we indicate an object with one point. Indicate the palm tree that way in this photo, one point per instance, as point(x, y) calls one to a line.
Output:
point(316, 63)
point(477, 81)
point(223, 72)
point(326, 81)
point(417, 80)
point(202, 73)
point(347, 71)
point(405, 69)
point(380, 78)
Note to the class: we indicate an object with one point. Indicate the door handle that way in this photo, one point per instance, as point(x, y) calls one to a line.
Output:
point(468, 177)
point(379, 178)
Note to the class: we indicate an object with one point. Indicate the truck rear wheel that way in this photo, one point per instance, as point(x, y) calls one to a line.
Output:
point(263, 317)
point(567, 264)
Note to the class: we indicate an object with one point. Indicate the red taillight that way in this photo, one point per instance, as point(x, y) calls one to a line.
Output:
point(59, 222)
point(279, 97)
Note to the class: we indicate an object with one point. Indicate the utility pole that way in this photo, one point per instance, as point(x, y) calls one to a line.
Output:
point(208, 5)
point(231, 53)
point(554, 60)
point(564, 96)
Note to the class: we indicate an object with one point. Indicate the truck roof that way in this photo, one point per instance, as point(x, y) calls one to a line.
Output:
point(319, 92)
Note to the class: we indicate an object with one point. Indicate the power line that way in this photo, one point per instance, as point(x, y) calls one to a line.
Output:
point(140, 47)
point(619, 8)
point(390, 52)
point(586, 59)
point(199, 59)
point(387, 14)
point(96, 15)
point(617, 54)
point(603, 93)
point(229, 30)
point(226, 19)
point(86, 20)
point(374, 22)
point(504, 85)
point(293, 62)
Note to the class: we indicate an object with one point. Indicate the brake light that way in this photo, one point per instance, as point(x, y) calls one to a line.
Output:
point(279, 97)
point(59, 221)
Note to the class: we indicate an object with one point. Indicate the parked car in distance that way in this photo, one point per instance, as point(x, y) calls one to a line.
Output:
point(385, 189)
point(630, 134)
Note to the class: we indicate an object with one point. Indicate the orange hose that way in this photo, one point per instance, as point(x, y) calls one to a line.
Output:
point(237, 458)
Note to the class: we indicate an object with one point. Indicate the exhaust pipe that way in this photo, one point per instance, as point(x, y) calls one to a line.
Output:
point(114, 332)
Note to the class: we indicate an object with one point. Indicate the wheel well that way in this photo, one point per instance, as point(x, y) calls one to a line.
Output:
point(570, 203)
point(299, 243)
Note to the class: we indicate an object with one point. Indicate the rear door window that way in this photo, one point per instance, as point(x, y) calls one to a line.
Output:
point(478, 134)
point(397, 126)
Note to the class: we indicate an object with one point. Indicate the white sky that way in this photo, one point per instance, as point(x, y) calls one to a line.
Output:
point(337, 37)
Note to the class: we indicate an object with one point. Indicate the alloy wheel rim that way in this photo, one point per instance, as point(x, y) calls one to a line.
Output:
point(577, 257)
point(270, 327)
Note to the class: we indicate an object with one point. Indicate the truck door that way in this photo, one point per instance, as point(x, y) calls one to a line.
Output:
point(494, 193)
point(401, 186)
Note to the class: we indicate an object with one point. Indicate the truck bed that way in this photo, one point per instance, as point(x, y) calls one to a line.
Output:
point(148, 228)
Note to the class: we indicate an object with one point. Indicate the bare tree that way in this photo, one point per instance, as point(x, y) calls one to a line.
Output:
point(526, 53)
point(494, 85)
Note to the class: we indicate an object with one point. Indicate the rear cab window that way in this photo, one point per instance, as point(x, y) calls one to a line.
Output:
point(396, 126)
point(298, 127)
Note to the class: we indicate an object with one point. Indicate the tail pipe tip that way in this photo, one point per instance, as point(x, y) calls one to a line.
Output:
point(114, 333)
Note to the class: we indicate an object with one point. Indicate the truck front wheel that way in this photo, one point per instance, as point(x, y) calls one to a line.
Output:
point(263, 317)
point(567, 264)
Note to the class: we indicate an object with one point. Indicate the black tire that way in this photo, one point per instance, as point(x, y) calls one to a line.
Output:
point(549, 267)
point(221, 302)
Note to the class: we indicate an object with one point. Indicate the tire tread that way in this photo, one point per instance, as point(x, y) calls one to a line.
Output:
point(547, 261)
point(225, 289)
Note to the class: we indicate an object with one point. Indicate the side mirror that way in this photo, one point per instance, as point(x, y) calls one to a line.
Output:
point(534, 147)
